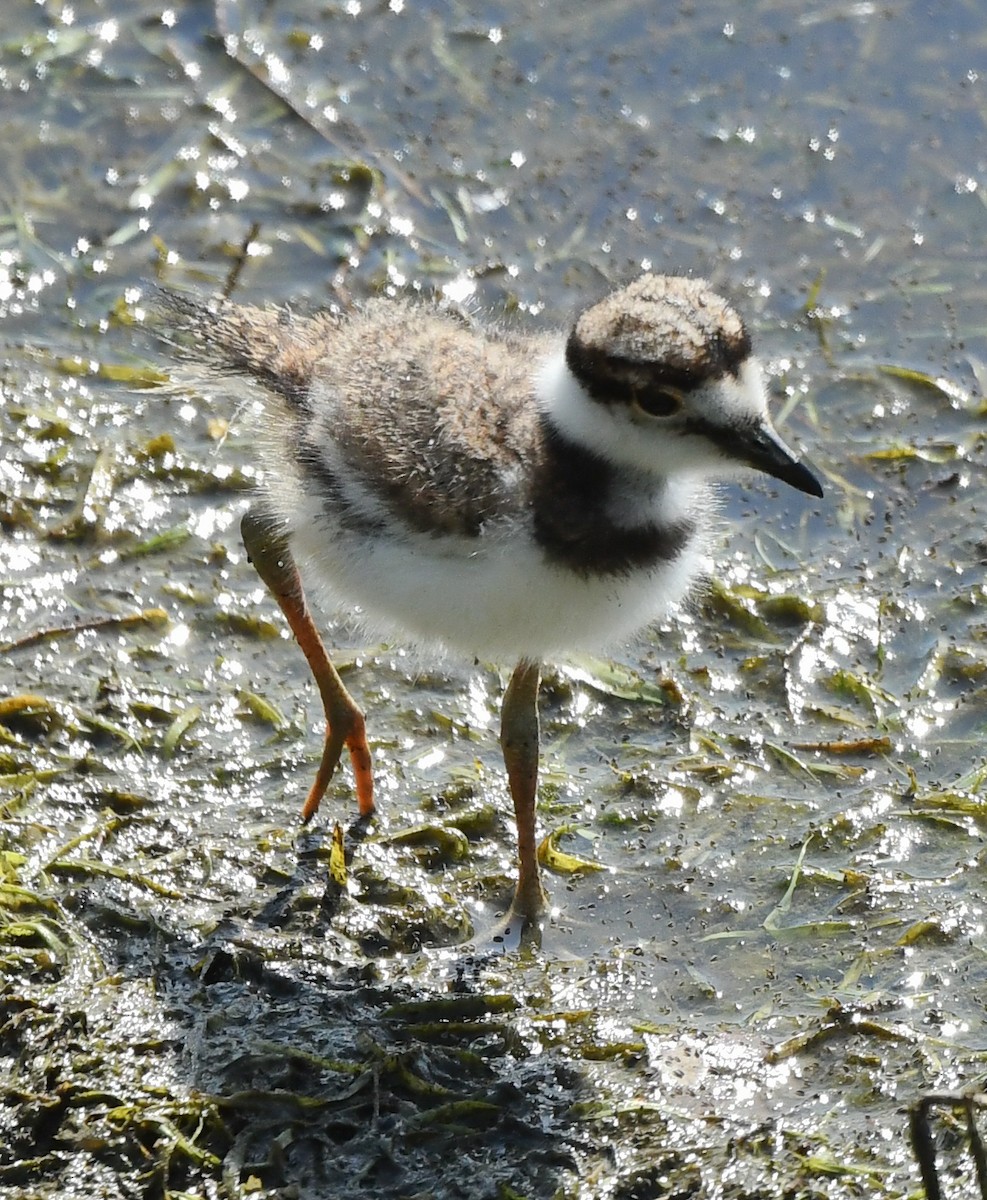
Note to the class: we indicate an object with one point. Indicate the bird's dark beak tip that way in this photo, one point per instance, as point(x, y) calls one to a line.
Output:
point(805, 481)
point(770, 455)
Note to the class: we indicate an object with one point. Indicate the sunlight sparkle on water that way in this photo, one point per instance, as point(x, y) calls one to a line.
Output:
point(724, 681)
point(178, 635)
point(672, 803)
point(277, 71)
point(726, 1065)
point(231, 668)
point(431, 758)
point(400, 226)
point(953, 1029)
point(852, 615)
point(460, 289)
point(897, 845)
point(222, 106)
point(477, 702)
point(211, 522)
point(19, 556)
point(922, 725)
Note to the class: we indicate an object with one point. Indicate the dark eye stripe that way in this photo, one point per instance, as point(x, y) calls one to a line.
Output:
point(727, 437)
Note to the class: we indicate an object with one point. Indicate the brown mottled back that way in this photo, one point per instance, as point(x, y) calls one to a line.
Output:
point(436, 415)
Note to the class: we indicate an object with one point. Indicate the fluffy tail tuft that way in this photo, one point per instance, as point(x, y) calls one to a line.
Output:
point(258, 342)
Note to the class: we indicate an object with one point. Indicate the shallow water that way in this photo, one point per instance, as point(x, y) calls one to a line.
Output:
point(785, 946)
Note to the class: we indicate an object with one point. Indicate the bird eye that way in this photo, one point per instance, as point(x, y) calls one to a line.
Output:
point(658, 401)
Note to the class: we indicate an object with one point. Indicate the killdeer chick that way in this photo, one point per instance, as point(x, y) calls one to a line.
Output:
point(509, 497)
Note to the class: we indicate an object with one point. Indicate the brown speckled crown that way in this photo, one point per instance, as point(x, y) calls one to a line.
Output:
point(660, 330)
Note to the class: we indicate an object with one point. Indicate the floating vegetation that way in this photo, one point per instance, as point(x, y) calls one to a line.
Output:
point(141, 376)
point(614, 679)
point(337, 857)
point(938, 385)
point(151, 617)
point(262, 710)
point(551, 856)
point(179, 728)
point(434, 844)
point(90, 508)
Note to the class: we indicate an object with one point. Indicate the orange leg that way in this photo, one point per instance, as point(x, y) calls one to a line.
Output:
point(271, 555)
point(519, 743)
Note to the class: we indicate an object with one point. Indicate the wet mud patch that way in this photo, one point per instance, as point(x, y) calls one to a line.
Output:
point(143, 1062)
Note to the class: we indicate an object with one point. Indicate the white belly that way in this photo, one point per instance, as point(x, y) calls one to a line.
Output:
point(493, 597)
